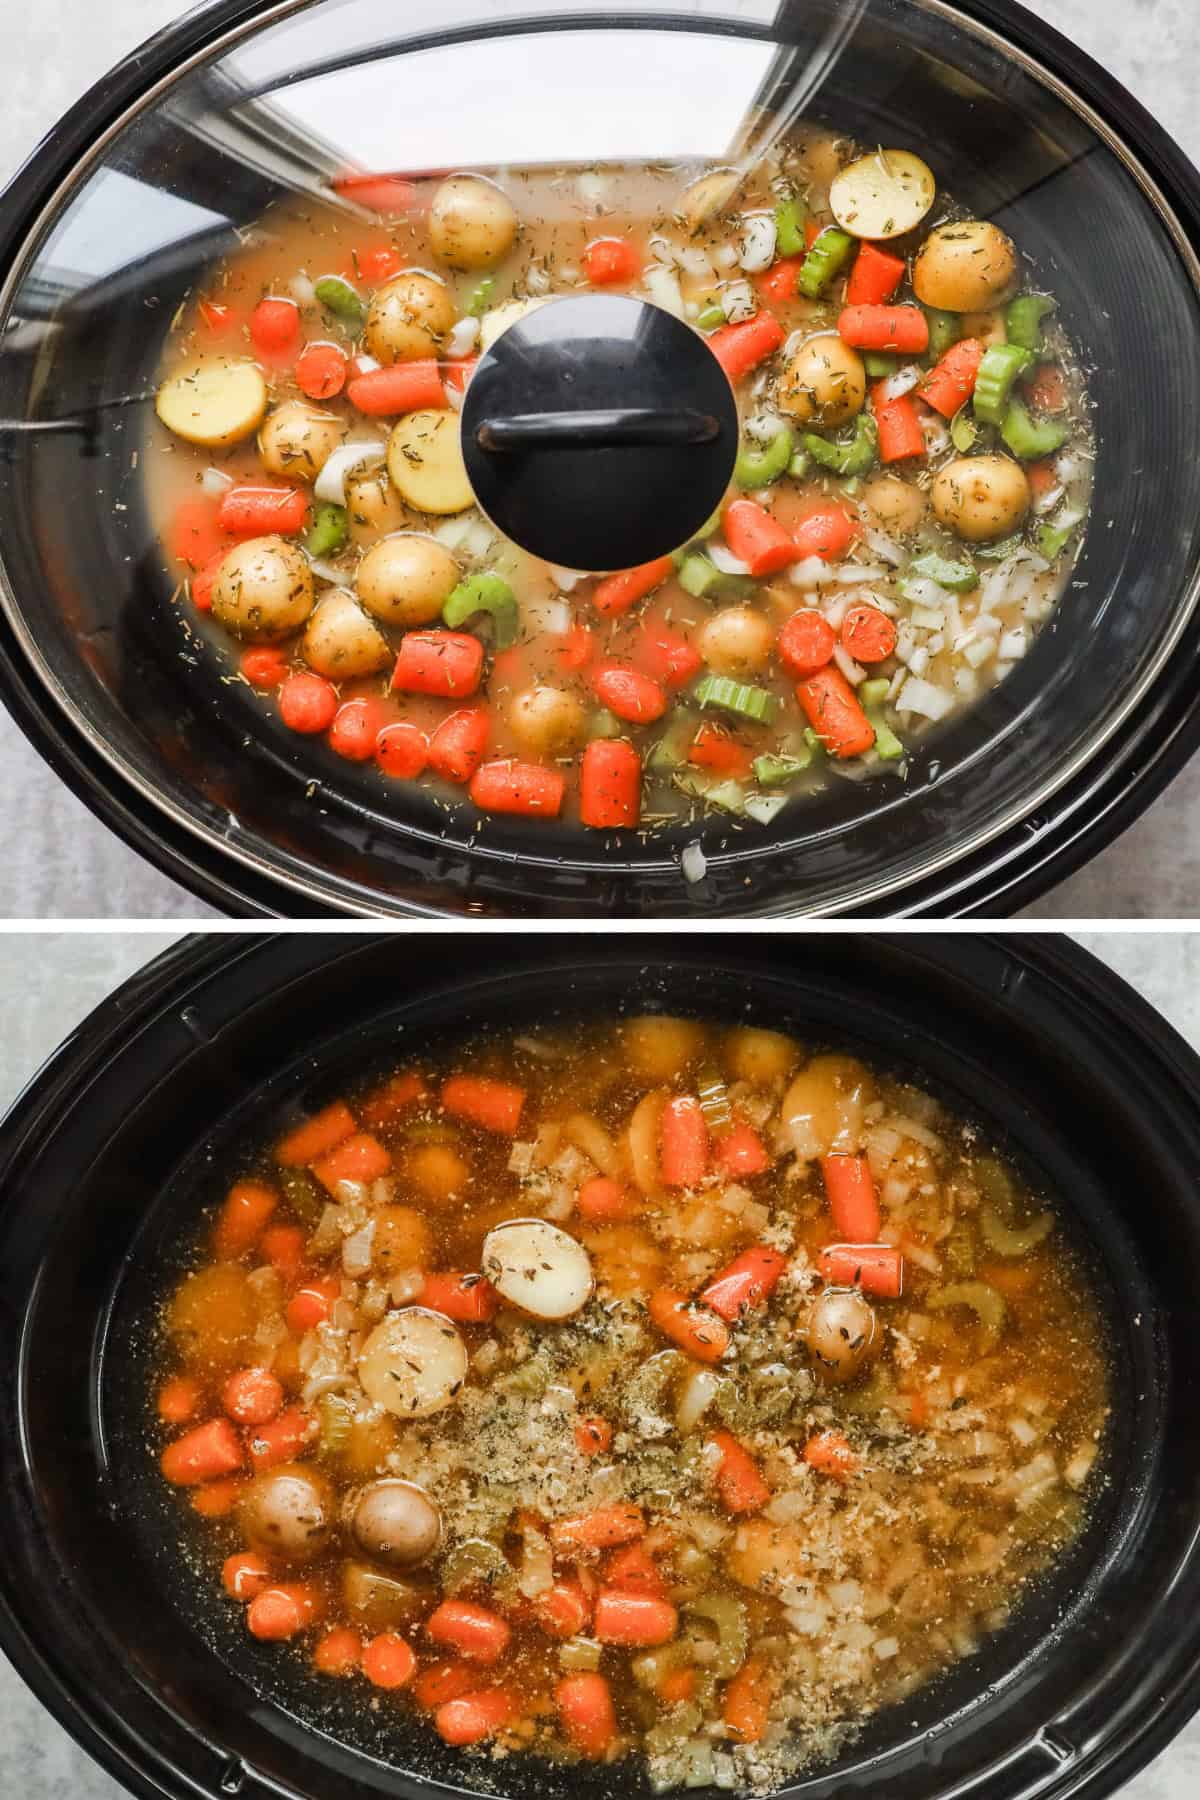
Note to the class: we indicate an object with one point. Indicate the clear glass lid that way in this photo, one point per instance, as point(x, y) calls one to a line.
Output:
point(723, 459)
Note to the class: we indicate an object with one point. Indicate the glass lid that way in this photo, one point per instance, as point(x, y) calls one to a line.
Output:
point(732, 459)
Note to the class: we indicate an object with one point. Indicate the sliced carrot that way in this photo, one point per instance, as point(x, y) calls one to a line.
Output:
point(602, 1529)
point(667, 656)
point(252, 1396)
point(576, 648)
point(447, 664)
point(312, 1304)
point(245, 1574)
point(274, 325)
point(195, 537)
point(205, 1452)
point(696, 1330)
point(379, 193)
point(748, 1281)
point(758, 539)
point(339, 1652)
point(918, 1409)
point(468, 1297)
point(628, 693)
point(683, 1142)
point(474, 1631)
point(218, 318)
point(593, 1435)
point(280, 1440)
point(510, 786)
point(898, 424)
point(617, 593)
point(624, 1618)
point(826, 530)
point(875, 1268)
point(402, 750)
point(321, 371)
point(610, 260)
point(563, 1610)
point(585, 1707)
point(779, 284)
point(495, 1105)
point(747, 1707)
point(601, 1201)
point(217, 1499)
point(610, 785)
point(740, 348)
point(833, 710)
point(283, 1611)
point(951, 381)
point(474, 1717)
point(875, 276)
point(248, 1206)
point(829, 1453)
point(316, 1137)
point(739, 1482)
point(806, 642)
point(179, 1400)
point(634, 1571)
point(677, 1686)
point(283, 1246)
point(358, 1158)
point(868, 635)
point(387, 1661)
point(307, 703)
point(853, 1202)
point(264, 667)
point(442, 1681)
point(741, 1152)
point(1042, 476)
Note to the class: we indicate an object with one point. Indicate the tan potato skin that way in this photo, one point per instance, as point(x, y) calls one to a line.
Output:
point(406, 579)
point(263, 590)
point(898, 505)
point(737, 641)
point(981, 497)
point(965, 267)
point(472, 223)
point(297, 440)
point(409, 318)
point(341, 640)
point(546, 720)
point(824, 382)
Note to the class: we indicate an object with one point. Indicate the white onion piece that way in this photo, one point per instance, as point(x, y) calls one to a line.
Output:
point(547, 615)
point(757, 244)
point(693, 261)
point(593, 188)
point(537, 279)
point(462, 337)
point(302, 290)
point(567, 580)
point(811, 572)
point(884, 546)
point(1044, 503)
point(215, 481)
point(902, 382)
point(414, 1363)
point(693, 864)
point(725, 560)
point(538, 1268)
point(364, 364)
point(725, 256)
point(924, 698)
point(1013, 644)
point(357, 1251)
point(454, 397)
point(699, 1391)
point(762, 427)
point(330, 484)
point(762, 808)
point(451, 532)
point(325, 571)
point(738, 301)
point(853, 672)
point(835, 609)
point(937, 438)
point(853, 574)
point(662, 287)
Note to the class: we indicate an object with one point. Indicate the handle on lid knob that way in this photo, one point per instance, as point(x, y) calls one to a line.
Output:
point(603, 428)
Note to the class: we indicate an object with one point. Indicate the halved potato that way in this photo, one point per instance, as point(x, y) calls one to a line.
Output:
point(882, 195)
point(538, 1268)
point(414, 1363)
point(425, 462)
point(214, 401)
point(340, 640)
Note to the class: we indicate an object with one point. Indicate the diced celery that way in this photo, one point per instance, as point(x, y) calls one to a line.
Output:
point(736, 697)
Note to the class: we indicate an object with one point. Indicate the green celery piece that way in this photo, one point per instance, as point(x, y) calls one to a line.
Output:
point(711, 318)
point(604, 724)
point(874, 692)
point(481, 297)
point(671, 749)
point(957, 576)
point(699, 575)
point(1002, 547)
point(945, 329)
point(736, 697)
point(344, 302)
point(880, 363)
point(1023, 321)
point(887, 744)
point(1001, 365)
point(488, 593)
point(830, 253)
point(964, 432)
point(799, 465)
point(813, 741)
point(777, 771)
point(327, 533)
point(1029, 438)
point(1052, 540)
point(849, 456)
point(760, 464)
point(791, 216)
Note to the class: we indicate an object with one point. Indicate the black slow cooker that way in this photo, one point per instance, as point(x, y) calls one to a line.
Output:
point(128, 1128)
point(144, 184)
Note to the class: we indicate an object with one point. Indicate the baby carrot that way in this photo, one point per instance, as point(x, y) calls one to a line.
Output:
point(739, 1484)
point(281, 1439)
point(245, 1574)
point(473, 1717)
point(402, 388)
point(217, 1499)
point(875, 276)
point(248, 1206)
point(903, 328)
point(249, 511)
point(283, 1246)
point(748, 1702)
point(457, 746)
point(829, 1453)
point(610, 785)
point(758, 539)
point(283, 1611)
point(617, 593)
point(833, 711)
point(601, 1200)
point(625, 1618)
point(563, 1610)
point(748, 1281)
point(475, 1632)
point(179, 1400)
point(599, 1530)
point(339, 1652)
point(741, 1152)
point(496, 1105)
point(740, 348)
point(358, 1158)
point(315, 1137)
point(443, 1681)
point(683, 1142)
point(875, 1268)
point(585, 1708)
point(850, 1187)
point(634, 1571)
point(252, 1396)
point(312, 1304)
point(387, 1661)
point(518, 787)
point(203, 1453)
point(628, 693)
point(447, 664)
point(696, 1330)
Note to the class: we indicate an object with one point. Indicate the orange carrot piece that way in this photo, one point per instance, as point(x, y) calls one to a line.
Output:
point(179, 1400)
point(806, 642)
point(779, 284)
point(875, 276)
point(739, 1483)
point(757, 538)
point(898, 424)
point(902, 328)
point(951, 382)
point(602, 1529)
point(740, 348)
point(634, 1571)
point(833, 710)
point(748, 1702)
point(852, 1198)
point(358, 1158)
point(875, 1268)
point(475, 1632)
point(625, 1618)
point(315, 1137)
point(829, 1453)
point(601, 1201)
point(511, 786)
point(281, 1439)
point(676, 1686)
point(447, 664)
point(283, 1611)
point(563, 1610)
point(741, 1152)
point(473, 1717)
point(312, 1304)
point(628, 693)
point(469, 1298)
point(205, 1452)
point(696, 1330)
point(585, 1708)
point(339, 1652)
point(248, 1206)
point(387, 1661)
point(252, 1396)
point(617, 593)
point(217, 1499)
point(284, 1247)
point(683, 1142)
point(748, 1281)
point(401, 388)
point(825, 530)
point(593, 1435)
point(385, 1104)
point(868, 634)
point(442, 1681)
point(245, 1574)
point(610, 785)
point(495, 1105)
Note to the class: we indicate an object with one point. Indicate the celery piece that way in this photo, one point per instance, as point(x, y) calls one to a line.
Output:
point(777, 771)
point(760, 464)
point(1030, 438)
point(486, 593)
point(887, 744)
point(1023, 320)
point(481, 297)
point(831, 251)
point(1052, 540)
point(711, 318)
point(880, 363)
point(671, 750)
point(798, 467)
point(736, 697)
point(1001, 365)
point(848, 456)
point(873, 692)
point(327, 533)
point(945, 329)
point(699, 575)
point(344, 302)
point(604, 724)
point(791, 216)
point(957, 576)
point(964, 432)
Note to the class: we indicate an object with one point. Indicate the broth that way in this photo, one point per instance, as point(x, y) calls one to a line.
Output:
point(879, 621)
point(647, 1389)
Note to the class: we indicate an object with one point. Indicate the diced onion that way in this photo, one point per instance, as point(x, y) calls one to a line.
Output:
point(762, 808)
point(693, 863)
point(1013, 644)
point(454, 396)
point(902, 382)
point(762, 427)
point(452, 532)
point(547, 615)
point(884, 546)
point(853, 672)
point(593, 188)
point(693, 261)
point(215, 481)
point(365, 365)
point(662, 287)
point(325, 571)
point(725, 560)
point(567, 580)
point(462, 337)
point(330, 484)
point(699, 1391)
point(757, 248)
point(811, 572)
point(851, 574)
point(725, 256)
point(923, 697)
point(302, 290)
point(357, 1251)
point(886, 1647)
point(738, 301)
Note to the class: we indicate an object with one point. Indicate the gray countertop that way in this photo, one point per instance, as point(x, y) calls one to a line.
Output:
point(61, 863)
point(38, 1761)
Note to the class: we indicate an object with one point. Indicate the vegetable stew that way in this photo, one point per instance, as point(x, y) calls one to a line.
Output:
point(648, 1388)
point(906, 507)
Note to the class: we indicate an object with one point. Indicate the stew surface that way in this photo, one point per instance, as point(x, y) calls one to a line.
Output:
point(652, 1388)
point(907, 506)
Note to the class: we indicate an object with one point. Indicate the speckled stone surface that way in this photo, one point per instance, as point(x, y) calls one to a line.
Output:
point(59, 862)
point(71, 974)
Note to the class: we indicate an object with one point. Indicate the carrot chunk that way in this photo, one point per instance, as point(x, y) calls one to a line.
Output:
point(599, 1530)
point(634, 1571)
point(739, 1483)
point(742, 1153)
point(179, 1400)
point(740, 348)
point(495, 1105)
point(252, 1396)
point(748, 1281)
point(339, 1652)
point(469, 1298)
point(217, 1499)
point(829, 1453)
point(875, 1268)
point(475, 1632)
point(283, 1611)
point(683, 1142)
point(281, 1439)
point(316, 1137)
point(563, 1610)
point(447, 664)
point(585, 1708)
point(509, 786)
point(245, 1574)
point(601, 1201)
point(203, 1453)
point(695, 1329)
point(625, 1618)
point(833, 710)
point(610, 785)
point(473, 1717)
point(248, 1206)
point(850, 1187)
point(748, 1702)
point(442, 1681)
point(358, 1158)
point(617, 593)
point(387, 1661)
point(593, 1435)
point(312, 1304)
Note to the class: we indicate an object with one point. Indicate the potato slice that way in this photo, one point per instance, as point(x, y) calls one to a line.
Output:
point(425, 462)
point(214, 401)
point(341, 640)
point(882, 195)
point(414, 1363)
point(538, 1268)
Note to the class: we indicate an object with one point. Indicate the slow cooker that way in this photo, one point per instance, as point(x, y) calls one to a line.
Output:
point(128, 1128)
point(144, 185)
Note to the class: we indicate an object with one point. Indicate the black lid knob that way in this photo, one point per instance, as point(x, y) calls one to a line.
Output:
point(599, 432)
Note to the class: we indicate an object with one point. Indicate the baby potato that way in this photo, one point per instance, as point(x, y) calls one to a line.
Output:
point(414, 1363)
point(537, 1268)
point(841, 1333)
point(264, 589)
point(409, 317)
point(425, 462)
point(824, 382)
point(289, 1511)
point(707, 198)
point(340, 639)
point(212, 1317)
point(898, 505)
point(981, 497)
point(758, 1056)
point(214, 401)
point(660, 1048)
point(822, 1111)
point(402, 1240)
point(965, 267)
point(882, 195)
point(396, 1523)
point(438, 1171)
point(297, 440)
point(472, 223)
point(764, 1554)
point(373, 506)
point(737, 641)
point(405, 579)
point(988, 327)
point(369, 1442)
point(546, 721)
